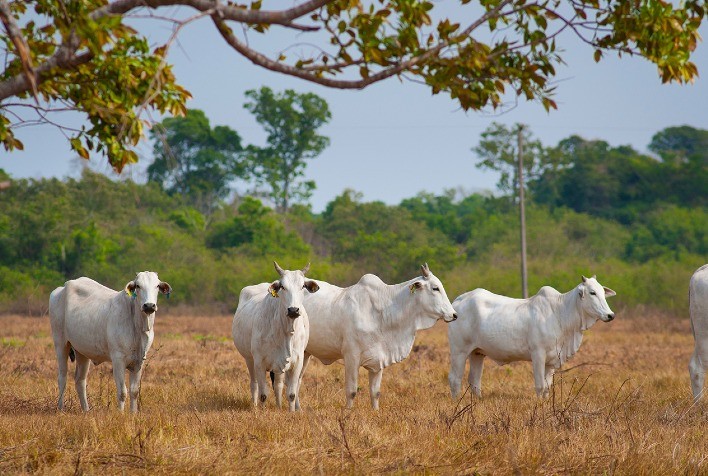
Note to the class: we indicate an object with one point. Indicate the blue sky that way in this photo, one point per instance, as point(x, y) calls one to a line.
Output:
point(395, 138)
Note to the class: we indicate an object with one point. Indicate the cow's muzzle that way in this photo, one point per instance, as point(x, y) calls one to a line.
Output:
point(149, 307)
point(293, 312)
point(610, 316)
point(453, 318)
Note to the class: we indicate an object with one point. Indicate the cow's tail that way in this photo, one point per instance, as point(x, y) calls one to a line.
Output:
point(72, 355)
point(272, 380)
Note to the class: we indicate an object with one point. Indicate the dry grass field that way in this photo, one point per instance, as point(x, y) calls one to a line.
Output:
point(622, 406)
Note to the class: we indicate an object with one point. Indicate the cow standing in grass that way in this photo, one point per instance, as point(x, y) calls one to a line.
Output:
point(372, 324)
point(546, 329)
point(93, 323)
point(698, 307)
point(270, 330)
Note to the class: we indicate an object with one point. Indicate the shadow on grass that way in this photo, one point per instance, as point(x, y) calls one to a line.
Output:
point(213, 401)
point(11, 404)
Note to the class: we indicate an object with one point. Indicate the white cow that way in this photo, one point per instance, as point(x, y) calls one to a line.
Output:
point(372, 324)
point(270, 330)
point(91, 322)
point(546, 329)
point(698, 306)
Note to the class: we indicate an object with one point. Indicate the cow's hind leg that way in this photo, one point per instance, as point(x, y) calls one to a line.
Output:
point(697, 371)
point(82, 368)
point(351, 378)
point(62, 351)
point(135, 377)
point(305, 362)
point(457, 369)
point(119, 377)
point(375, 387)
point(476, 369)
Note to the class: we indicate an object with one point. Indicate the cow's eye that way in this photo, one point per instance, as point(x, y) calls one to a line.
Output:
point(137, 287)
point(435, 288)
point(593, 293)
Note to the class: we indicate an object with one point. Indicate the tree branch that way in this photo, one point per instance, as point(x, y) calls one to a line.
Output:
point(227, 12)
point(261, 60)
point(20, 45)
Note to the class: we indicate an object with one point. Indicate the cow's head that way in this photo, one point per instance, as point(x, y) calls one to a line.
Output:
point(290, 289)
point(145, 288)
point(431, 297)
point(593, 300)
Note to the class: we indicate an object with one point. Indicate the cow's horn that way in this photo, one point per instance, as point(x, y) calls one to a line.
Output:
point(278, 268)
point(425, 270)
point(306, 269)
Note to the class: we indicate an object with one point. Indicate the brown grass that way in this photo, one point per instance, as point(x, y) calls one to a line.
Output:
point(622, 406)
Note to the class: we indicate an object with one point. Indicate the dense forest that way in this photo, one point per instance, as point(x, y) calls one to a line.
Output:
point(638, 222)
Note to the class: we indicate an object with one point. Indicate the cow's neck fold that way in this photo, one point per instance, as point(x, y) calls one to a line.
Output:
point(572, 322)
point(142, 329)
point(281, 336)
point(400, 320)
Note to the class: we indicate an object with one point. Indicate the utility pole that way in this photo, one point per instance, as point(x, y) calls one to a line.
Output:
point(522, 213)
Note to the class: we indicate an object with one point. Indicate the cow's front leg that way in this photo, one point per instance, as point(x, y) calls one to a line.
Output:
point(253, 382)
point(119, 377)
point(476, 369)
point(292, 382)
point(135, 376)
point(375, 387)
point(261, 382)
point(278, 384)
point(550, 371)
point(351, 378)
point(538, 360)
point(457, 368)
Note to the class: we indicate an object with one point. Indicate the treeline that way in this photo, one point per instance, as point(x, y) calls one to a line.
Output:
point(638, 223)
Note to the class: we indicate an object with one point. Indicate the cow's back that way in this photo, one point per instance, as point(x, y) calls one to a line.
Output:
point(89, 310)
point(249, 292)
point(698, 302)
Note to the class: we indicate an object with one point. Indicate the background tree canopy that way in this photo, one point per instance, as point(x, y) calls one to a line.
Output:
point(597, 213)
point(291, 121)
point(194, 160)
point(81, 55)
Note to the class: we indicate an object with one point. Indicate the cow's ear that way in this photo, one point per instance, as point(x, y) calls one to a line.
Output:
point(130, 288)
point(165, 288)
point(274, 288)
point(581, 291)
point(416, 287)
point(609, 292)
point(311, 286)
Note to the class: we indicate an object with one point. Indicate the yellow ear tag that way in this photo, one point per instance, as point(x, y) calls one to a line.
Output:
point(412, 288)
point(273, 292)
